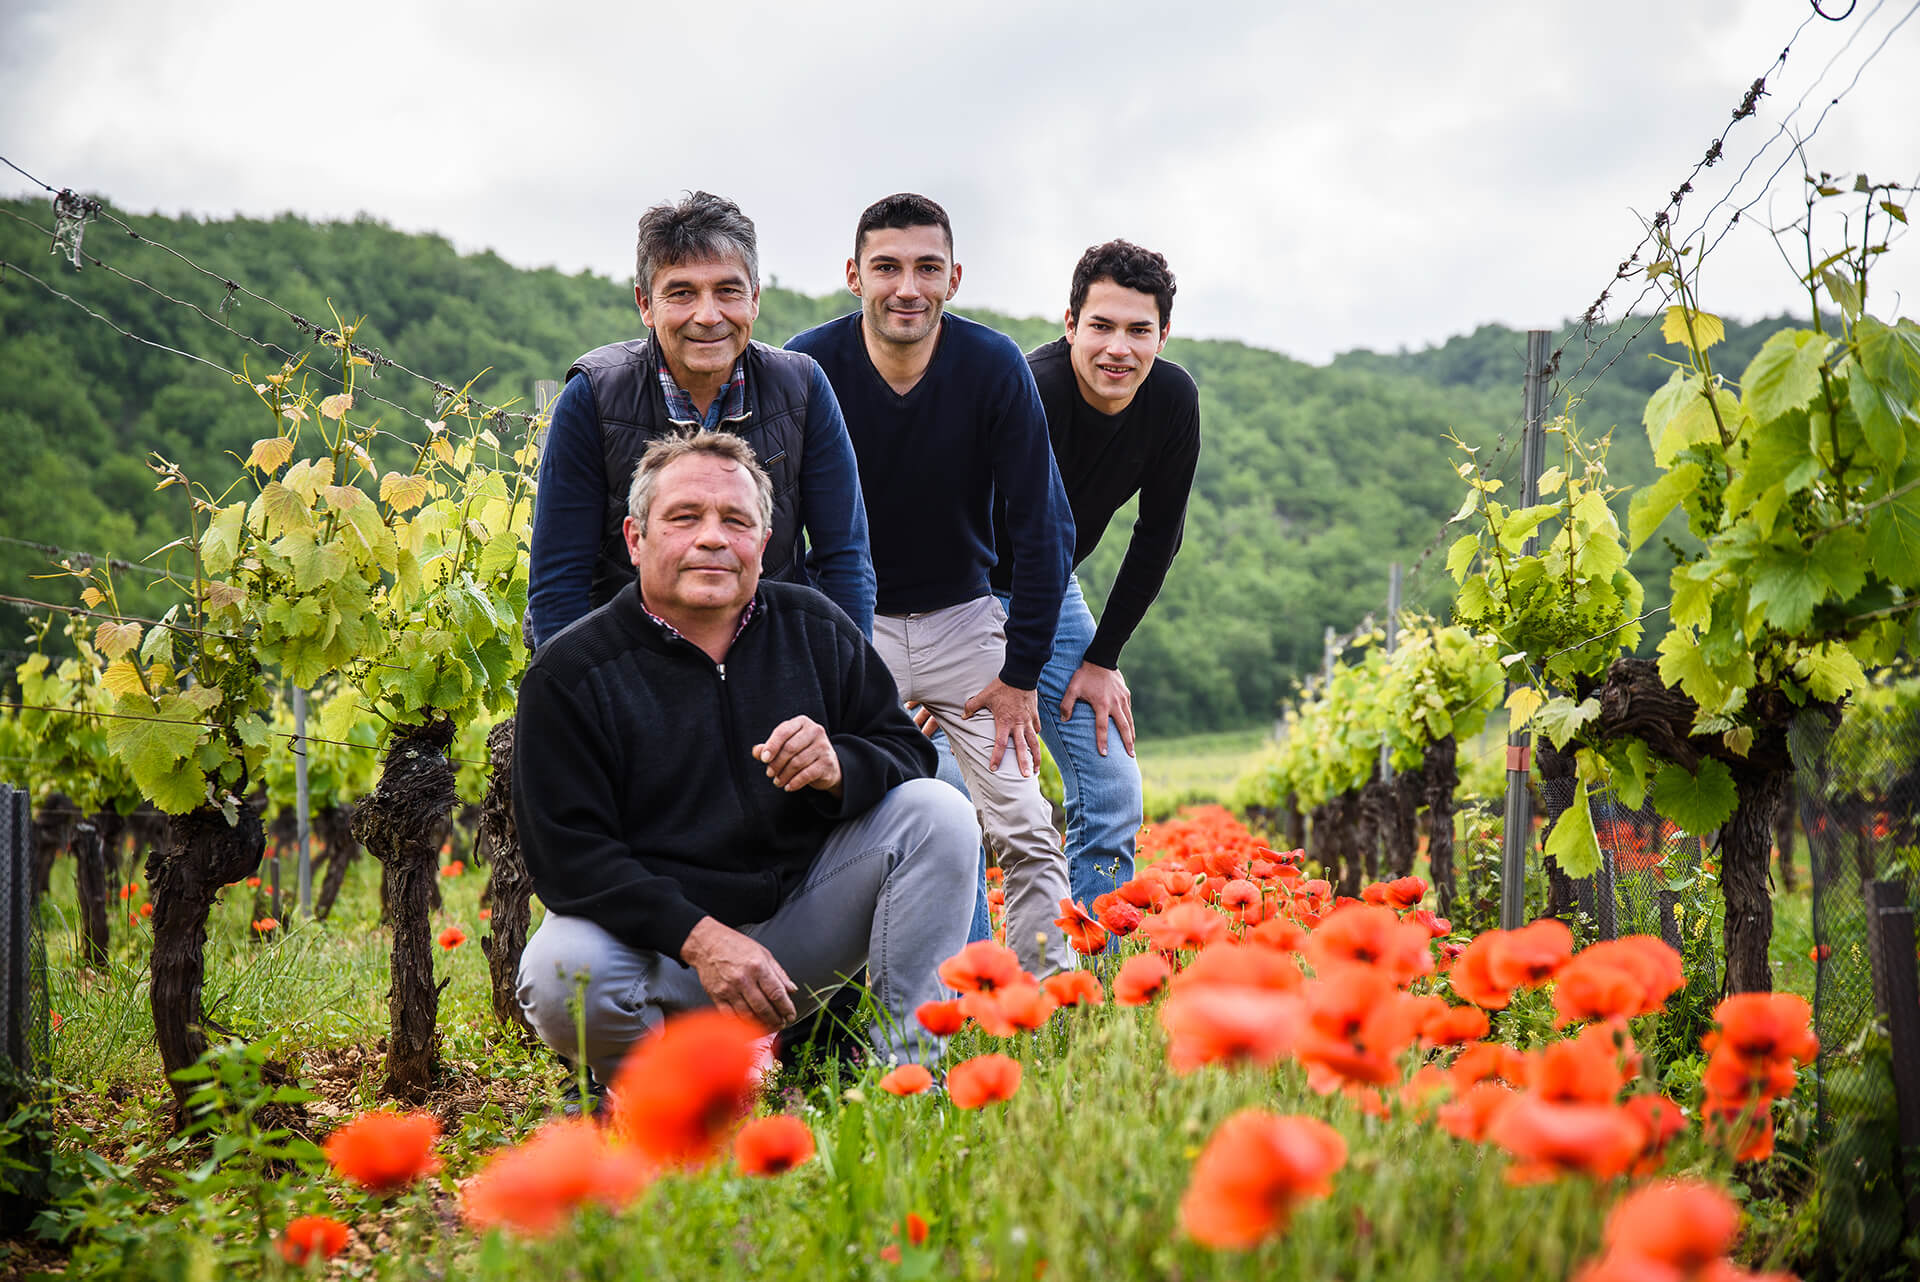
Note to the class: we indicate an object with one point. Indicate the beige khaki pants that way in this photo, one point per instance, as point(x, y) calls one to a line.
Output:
point(941, 659)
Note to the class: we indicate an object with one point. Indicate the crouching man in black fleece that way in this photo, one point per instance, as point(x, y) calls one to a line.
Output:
point(718, 794)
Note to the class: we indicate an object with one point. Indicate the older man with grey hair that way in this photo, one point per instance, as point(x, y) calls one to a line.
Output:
point(697, 284)
point(718, 794)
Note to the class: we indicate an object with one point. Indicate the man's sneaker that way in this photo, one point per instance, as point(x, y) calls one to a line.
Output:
point(591, 1104)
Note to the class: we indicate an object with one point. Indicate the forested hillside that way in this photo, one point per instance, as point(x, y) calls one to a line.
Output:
point(1311, 478)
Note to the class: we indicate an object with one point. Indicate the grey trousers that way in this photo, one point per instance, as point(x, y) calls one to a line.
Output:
point(940, 659)
point(891, 890)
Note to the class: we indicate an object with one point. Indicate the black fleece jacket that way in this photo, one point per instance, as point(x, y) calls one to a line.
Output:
point(638, 802)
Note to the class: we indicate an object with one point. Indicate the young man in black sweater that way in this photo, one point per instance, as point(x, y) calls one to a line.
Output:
point(718, 795)
point(944, 418)
point(1122, 422)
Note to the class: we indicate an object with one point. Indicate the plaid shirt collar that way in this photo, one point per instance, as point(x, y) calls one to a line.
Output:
point(731, 403)
point(672, 631)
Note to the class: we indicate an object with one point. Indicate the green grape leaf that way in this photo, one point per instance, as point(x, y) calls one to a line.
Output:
point(220, 545)
point(1785, 375)
point(1786, 586)
point(113, 638)
point(1842, 559)
point(279, 506)
point(1707, 328)
point(1572, 841)
point(1700, 802)
point(1893, 538)
point(1679, 388)
point(1560, 719)
point(1831, 672)
point(1884, 386)
point(1692, 595)
point(1684, 666)
point(1652, 504)
point(270, 453)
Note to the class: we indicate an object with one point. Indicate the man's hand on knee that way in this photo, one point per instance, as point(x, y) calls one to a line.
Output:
point(1016, 721)
point(739, 974)
point(1105, 691)
point(799, 754)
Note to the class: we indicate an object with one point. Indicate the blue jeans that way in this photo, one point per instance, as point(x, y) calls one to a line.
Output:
point(1101, 794)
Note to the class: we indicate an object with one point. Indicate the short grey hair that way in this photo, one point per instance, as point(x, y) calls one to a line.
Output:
point(699, 227)
point(671, 449)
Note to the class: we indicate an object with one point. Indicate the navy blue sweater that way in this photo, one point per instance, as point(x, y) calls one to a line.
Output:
point(931, 463)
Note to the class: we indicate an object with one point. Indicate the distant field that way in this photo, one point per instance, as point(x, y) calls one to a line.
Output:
point(1199, 765)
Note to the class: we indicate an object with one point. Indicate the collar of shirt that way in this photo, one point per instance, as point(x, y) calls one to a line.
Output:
point(672, 631)
point(731, 403)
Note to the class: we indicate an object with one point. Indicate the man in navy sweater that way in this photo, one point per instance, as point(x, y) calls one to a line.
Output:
point(944, 417)
point(697, 283)
point(719, 797)
point(1122, 422)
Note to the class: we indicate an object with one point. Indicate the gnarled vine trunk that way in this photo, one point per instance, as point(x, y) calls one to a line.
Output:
point(1634, 701)
point(334, 826)
point(1369, 808)
point(1403, 823)
point(401, 825)
point(1293, 824)
point(509, 891)
point(1439, 777)
point(200, 855)
point(1783, 836)
point(90, 885)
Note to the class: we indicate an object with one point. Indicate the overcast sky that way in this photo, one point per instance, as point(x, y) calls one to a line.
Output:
point(1322, 176)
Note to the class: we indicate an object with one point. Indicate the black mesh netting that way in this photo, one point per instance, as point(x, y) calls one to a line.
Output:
point(23, 1017)
point(1858, 790)
point(1646, 865)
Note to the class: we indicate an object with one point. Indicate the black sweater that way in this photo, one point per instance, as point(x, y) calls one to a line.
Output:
point(1150, 448)
point(932, 464)
point(638, 802)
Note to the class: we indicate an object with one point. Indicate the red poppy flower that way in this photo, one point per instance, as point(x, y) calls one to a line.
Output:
point(383, 1151)
point(1489, 1062)
point(146, 910)
point(1086, 935)
point(128, 891)
point(1742, 1127)
point(1548, 1140)
point(1436, 927)
point(1358, 1024)
point(486, 914)
point(942, 1019)
point(1531, 955)
point(1238, 895)
point(773, 1145)
point(984, 1010)
point(535, 1186)
point(452, 868)
point(1255, 1169)
point(1074, 988)
point(995, 875)
point(1237, 1025)
point(1468, 1114)
point(253, 883)
point(915, 1230)
point(1179, 882)
point(452, 937)
point(981, 967)
point(1184, 926)
point(908, 1079)
point(1454, 1026)
point(312, 1237)
point(1026, 1006)
point(1279, 934)
point(1648, 959)
point(682, 1088)
point(1144, 893)
point(1472, 974)
point(1589, 1069)
point(1404, 892)
point(1757, 1026)
point(983, 1080)
point(1683, 1224)
point(266, 925)
point(1119, 917)
point(1225, 965)
point(1140, 979)
point(1370, 935)
point(1595, 990)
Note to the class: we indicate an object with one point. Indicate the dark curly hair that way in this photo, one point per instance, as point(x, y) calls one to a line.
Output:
point(1128, 266)
point(905, 209)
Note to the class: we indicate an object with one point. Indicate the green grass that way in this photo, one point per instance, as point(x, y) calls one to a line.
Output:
point(1182, 770)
